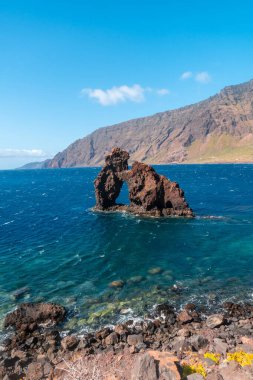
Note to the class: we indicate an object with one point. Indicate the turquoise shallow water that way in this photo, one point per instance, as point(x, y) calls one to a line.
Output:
point(55, 247)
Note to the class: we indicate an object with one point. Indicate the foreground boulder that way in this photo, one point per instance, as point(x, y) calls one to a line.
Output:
point(149, 193)
point(35, 313)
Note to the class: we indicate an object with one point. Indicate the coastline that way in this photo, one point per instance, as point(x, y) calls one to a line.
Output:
point(182, 343)
point(149, 163)
point(168, 262)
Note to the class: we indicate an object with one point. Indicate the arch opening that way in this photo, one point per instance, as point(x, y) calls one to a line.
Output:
point(123, 197)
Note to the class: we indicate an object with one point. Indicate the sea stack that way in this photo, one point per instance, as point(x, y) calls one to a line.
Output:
point(150, 194)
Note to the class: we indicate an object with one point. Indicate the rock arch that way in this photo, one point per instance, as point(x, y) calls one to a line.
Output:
point(149, 193)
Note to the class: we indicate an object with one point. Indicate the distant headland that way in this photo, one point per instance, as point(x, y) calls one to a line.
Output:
point(216, 130)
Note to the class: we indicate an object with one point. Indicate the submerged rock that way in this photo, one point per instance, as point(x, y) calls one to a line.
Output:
point(117, 284)
point(156, 270)
point(135, 279)
point(149, 193)
point(18, 293)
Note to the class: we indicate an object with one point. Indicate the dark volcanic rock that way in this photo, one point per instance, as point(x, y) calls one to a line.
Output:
point(70, 342)
point(28, 314)
point(37, 353)
point(149, 193)
point(108, 184)
point(166, 311)
point(237, 310)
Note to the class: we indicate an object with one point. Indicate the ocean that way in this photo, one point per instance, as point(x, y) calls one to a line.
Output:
point(53, 247)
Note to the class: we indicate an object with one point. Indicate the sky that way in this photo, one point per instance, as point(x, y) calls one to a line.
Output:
point(70, 67)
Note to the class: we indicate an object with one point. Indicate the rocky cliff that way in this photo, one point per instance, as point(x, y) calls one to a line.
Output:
point(219, 129)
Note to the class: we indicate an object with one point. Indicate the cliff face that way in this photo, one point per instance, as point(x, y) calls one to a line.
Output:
point(219, 129)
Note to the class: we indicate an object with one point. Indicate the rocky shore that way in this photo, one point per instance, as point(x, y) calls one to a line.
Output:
point(169, 345)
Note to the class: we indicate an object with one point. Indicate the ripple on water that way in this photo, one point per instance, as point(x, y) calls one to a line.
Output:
point(64, 252)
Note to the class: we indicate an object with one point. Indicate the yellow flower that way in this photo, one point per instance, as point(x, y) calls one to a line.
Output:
point(241, 357)
point(213, 356)
point(193, 368)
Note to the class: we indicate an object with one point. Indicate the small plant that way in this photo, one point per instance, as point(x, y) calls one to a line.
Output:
point(213, 356)
point(82, 370)
point(189, 369)
point(241, 357)
point(89, 369)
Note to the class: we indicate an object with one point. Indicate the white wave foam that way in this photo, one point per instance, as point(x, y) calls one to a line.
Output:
point(6, 223)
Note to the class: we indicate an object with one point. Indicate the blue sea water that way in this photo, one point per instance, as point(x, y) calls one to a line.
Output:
point(55, 248)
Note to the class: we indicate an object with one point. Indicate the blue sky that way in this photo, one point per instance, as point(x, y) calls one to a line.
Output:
point(69, 67)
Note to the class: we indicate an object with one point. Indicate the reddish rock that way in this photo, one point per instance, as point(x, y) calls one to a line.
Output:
point(154, 365)
point(220, 346)
point(144, 368)
point(198, 342)
point(237, 310)
point(184, 317)
point(116, 284)
point(168, 365)
point(184, 333)
point(121, 329)
point(155, 194)
point(195, 376)
point(101, 334)
point(134, 339)
point(190, 307)
point(233, 371)
point(215, 320)
point(247, 342)
point(34, 371)
point(70, 342)
point(181, 344)
point(28, 314)
point(108, 184)
point(111, 339)
point(149, 193)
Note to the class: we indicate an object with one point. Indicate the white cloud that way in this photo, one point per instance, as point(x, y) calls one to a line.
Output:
point(116, 95)
point(163, 91)
point(186, 75)
point(203, 77)
point(21, 153)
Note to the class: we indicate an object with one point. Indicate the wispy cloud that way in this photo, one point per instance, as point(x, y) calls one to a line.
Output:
point(116, 95)
point(121, 94)
point(162, 91)
point(186, 75)
point(22, 153)
point(203, 77)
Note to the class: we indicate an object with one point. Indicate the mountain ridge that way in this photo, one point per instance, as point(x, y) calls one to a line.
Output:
point(217, 129)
